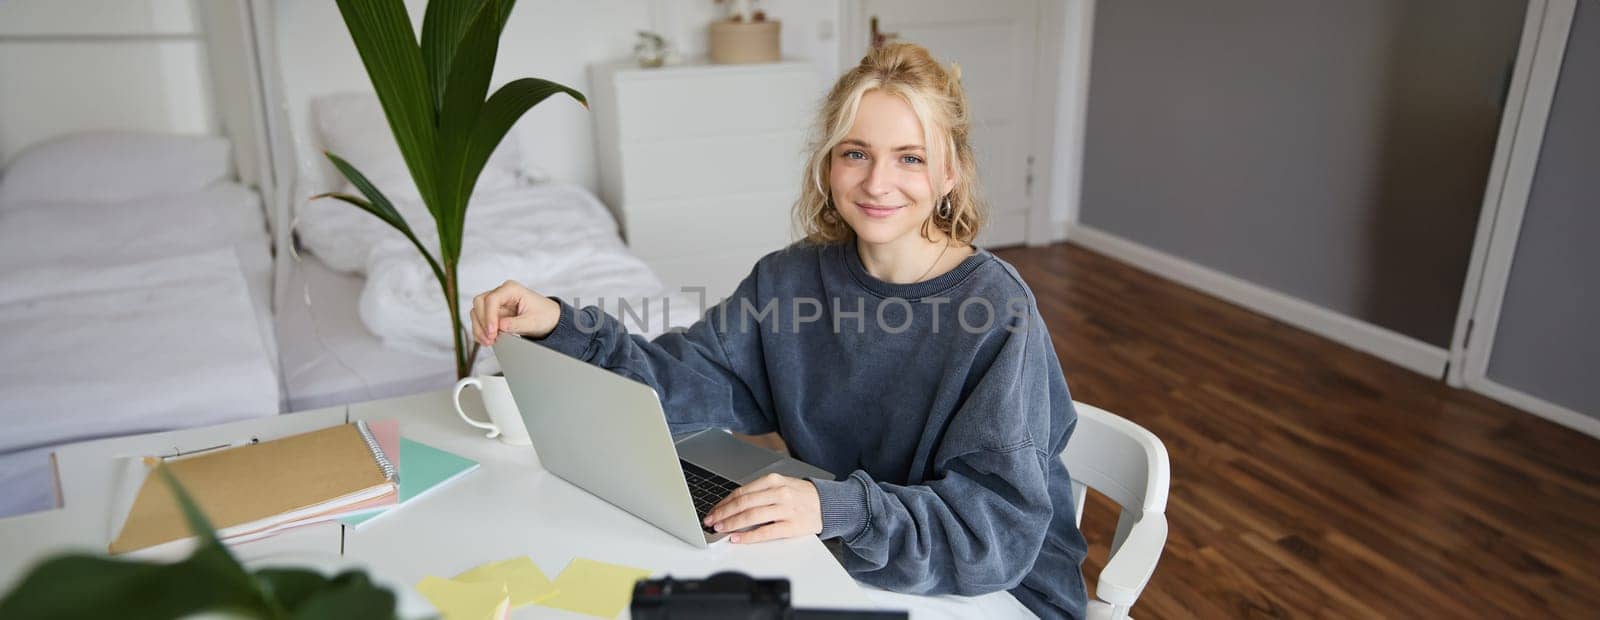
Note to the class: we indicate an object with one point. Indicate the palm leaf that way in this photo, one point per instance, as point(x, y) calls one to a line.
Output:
point(379, 206)
point(465, 88)
point(503, 109)
point(381, 30)
point(433, 95)
point(348, 595)
point(443, 23)
point(290, 587)
point(86, 586)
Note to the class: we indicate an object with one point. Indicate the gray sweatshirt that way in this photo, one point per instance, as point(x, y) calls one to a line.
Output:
point(939, 405)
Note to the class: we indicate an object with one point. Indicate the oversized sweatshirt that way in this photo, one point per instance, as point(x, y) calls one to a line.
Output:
point(940, 406)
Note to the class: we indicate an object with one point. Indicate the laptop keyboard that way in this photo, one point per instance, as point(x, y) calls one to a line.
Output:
point(706, 488)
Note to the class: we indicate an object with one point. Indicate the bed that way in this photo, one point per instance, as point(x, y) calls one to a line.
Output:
point(135, 283)
point(362, 317)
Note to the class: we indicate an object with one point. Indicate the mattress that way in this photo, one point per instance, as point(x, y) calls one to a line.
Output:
point(127, 318)
point(223, 215)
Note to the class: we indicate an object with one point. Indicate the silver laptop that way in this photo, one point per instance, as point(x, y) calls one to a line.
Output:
point(607, 434)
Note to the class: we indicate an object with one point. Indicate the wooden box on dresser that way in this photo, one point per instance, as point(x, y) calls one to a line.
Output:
point(702, 163)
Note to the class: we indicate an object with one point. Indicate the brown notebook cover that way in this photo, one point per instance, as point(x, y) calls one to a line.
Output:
point(250, 487)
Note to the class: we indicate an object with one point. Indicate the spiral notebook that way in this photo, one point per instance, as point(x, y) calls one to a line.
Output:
point(262, 486)
point(423, 468)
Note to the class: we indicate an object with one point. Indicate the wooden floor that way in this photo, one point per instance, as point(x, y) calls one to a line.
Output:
point(1309, 479)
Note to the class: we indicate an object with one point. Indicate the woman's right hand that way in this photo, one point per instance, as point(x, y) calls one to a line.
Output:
point(514, 309)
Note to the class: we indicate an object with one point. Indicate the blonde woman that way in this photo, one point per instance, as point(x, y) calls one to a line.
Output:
point(885, 348)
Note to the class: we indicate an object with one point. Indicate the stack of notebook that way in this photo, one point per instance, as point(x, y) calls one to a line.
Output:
point(259, 489)
point(422, 469)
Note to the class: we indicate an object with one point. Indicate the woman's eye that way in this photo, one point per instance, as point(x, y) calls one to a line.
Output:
point(911, 159)
point(854, 155)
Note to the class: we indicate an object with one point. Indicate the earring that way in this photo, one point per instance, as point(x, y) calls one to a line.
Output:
point(944, 208)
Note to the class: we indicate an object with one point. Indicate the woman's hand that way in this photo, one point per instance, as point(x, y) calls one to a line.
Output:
point(788, 507)
point(514, 309)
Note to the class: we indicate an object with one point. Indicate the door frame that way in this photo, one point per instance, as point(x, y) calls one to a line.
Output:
point(1063, 34)
point(1546, 27)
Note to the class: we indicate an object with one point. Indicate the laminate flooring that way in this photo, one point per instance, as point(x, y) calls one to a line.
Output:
point(1312, 480)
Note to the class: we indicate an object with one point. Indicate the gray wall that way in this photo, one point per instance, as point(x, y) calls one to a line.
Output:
point(1548, 341)
point(1333, 150)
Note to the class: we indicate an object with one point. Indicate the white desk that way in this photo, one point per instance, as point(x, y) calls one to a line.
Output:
point(510, 506)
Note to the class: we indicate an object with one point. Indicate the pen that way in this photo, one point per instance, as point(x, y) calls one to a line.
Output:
point(135, 469)
point(232, 444)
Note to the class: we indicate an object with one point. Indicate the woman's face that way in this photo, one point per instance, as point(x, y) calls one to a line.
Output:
point(879, 176)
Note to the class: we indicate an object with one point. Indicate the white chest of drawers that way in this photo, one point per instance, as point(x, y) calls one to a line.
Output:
point(701, 164)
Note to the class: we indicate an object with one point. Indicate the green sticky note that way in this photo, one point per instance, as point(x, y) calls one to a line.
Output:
point(596, 588)
point(422, 468)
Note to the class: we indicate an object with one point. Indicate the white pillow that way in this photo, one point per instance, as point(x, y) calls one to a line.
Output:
point(114, 166)
point(342, 235)
point(352, 126)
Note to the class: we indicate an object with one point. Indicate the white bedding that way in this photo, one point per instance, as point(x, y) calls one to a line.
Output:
point(47, 233)
point(386, 335)
point(554, 238)
point(88, 355)
point(87, 236)
point(125, 318)
point(330, 358)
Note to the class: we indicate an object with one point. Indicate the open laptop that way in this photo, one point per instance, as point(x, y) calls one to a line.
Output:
point(607, 434)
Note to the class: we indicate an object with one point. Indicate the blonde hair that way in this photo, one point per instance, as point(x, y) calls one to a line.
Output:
point(909, 72)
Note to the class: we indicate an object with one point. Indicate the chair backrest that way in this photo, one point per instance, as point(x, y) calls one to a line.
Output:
point(1119, 459)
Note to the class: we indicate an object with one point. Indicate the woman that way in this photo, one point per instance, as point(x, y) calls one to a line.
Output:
point(885, 348)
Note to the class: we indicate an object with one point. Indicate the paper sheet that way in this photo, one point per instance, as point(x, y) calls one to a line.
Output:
point(595, 588)
point(522, 578)
point(459, 600)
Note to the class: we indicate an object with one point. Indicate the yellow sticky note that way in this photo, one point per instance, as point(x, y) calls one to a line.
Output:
point(523, 580)
point(459, 600)
point(595, 588)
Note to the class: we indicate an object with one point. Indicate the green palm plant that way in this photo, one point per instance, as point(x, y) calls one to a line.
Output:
point(433, 95)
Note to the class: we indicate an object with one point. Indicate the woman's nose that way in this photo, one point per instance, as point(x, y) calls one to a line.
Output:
point(879, 179)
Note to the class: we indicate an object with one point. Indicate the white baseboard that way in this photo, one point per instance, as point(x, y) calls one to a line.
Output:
point(1402, 350)
point(1535, 405)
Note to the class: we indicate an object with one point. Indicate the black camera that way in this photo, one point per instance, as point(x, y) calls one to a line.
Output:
point(723, 595)
point(730, 596)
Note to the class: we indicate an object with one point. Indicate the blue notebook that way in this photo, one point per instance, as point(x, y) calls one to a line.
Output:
point(422, 469)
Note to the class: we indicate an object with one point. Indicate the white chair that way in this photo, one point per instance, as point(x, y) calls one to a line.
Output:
point(1122, 461)
point(1129, 465)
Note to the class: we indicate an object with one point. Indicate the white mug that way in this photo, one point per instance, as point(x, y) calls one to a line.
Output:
point(505, 420)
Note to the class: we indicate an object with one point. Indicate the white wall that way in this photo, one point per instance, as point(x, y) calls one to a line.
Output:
point(100, 16)
point(810, 29)
point(100, 64)
point(1072, 102)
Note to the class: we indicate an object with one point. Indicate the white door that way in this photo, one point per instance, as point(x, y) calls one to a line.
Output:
point(1552, 259)
point(996, 44)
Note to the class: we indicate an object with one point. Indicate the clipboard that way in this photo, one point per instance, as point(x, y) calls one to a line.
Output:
point(256, 488)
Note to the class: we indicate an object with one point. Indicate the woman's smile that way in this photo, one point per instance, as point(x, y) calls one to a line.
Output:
point(876, 210)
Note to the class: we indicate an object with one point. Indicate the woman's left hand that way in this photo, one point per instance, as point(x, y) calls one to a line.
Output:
point(787, 506)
